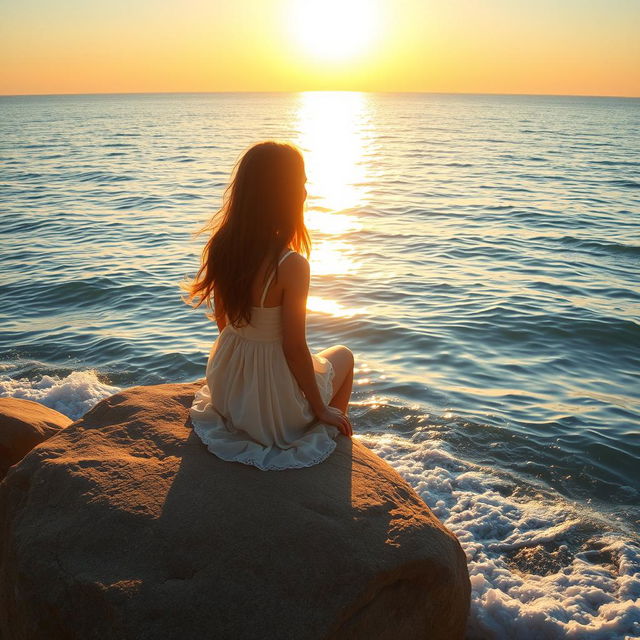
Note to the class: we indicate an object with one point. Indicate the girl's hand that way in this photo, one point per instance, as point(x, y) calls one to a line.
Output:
point(335, 417)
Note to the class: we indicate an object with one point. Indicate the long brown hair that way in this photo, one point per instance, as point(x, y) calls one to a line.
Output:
point(262, 213)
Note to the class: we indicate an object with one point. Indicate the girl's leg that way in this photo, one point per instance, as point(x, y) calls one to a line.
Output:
point(342, 360)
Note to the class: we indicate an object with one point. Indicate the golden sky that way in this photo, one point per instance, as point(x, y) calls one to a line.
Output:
point(579, 47)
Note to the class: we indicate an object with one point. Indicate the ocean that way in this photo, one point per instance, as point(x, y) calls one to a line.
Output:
point(479, 254)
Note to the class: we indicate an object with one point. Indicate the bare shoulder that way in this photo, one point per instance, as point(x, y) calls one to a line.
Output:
point(294, 268)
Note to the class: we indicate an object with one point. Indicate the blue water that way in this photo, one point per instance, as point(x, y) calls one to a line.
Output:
point(479, 254)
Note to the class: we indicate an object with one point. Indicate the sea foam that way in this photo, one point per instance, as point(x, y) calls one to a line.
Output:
point(540, 566)
point(72, 395)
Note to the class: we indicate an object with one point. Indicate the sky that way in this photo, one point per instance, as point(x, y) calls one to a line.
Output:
point(567, 47)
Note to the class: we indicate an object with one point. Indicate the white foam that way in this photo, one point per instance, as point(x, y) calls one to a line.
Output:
point(72, 395)
point(583, 600)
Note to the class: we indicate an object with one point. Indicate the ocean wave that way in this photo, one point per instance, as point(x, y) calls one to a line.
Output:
point(72, 395)
point(144, 203)
point(600, 245)
point(627, 184)
point(616, 163)
point(540, 567)
point(100, 177)
point(521, 326)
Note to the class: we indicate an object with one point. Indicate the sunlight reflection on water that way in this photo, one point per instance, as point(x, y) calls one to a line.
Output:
point(334, 134)
point(335, 130)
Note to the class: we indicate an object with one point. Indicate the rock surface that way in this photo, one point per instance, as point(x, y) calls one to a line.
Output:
point(125, 526)
point(23, 425)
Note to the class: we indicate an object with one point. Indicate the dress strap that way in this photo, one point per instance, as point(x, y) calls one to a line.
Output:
point(266, 286)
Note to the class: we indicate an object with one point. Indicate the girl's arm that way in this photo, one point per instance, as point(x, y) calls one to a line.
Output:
point(294, 342)
point(296, 277)
point(218, 312)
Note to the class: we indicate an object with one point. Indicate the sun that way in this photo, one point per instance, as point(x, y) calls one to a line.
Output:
point(335, 29)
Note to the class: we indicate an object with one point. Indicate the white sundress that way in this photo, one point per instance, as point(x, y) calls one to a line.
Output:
point(251, 409)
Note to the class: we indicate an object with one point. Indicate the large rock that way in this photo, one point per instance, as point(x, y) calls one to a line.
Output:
point(23, 425)
point(124, 526)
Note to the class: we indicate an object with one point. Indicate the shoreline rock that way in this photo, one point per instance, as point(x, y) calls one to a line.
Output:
point(23, 425)
point(125, 526)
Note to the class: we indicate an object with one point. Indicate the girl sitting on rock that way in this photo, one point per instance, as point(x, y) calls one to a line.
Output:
point(267, 400)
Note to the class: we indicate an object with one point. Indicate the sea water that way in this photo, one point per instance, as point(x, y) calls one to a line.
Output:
point(479, 254)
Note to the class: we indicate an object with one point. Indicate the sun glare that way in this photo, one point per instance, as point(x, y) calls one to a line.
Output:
point(332, 308)
point(334, 29)
point(335, 135)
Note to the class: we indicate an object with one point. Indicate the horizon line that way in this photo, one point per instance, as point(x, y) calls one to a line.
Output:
point(442, 93)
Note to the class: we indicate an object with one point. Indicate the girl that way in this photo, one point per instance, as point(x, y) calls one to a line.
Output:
point(267, 400)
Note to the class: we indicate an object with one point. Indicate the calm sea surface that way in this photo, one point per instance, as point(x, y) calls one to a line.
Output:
point(479, 254)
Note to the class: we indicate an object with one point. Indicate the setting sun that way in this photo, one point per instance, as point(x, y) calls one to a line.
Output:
point(335, 29)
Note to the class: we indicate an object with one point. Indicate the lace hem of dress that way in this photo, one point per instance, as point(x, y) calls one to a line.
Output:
point(255, 463)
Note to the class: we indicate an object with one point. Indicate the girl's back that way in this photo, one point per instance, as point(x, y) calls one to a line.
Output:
point(252, 409)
